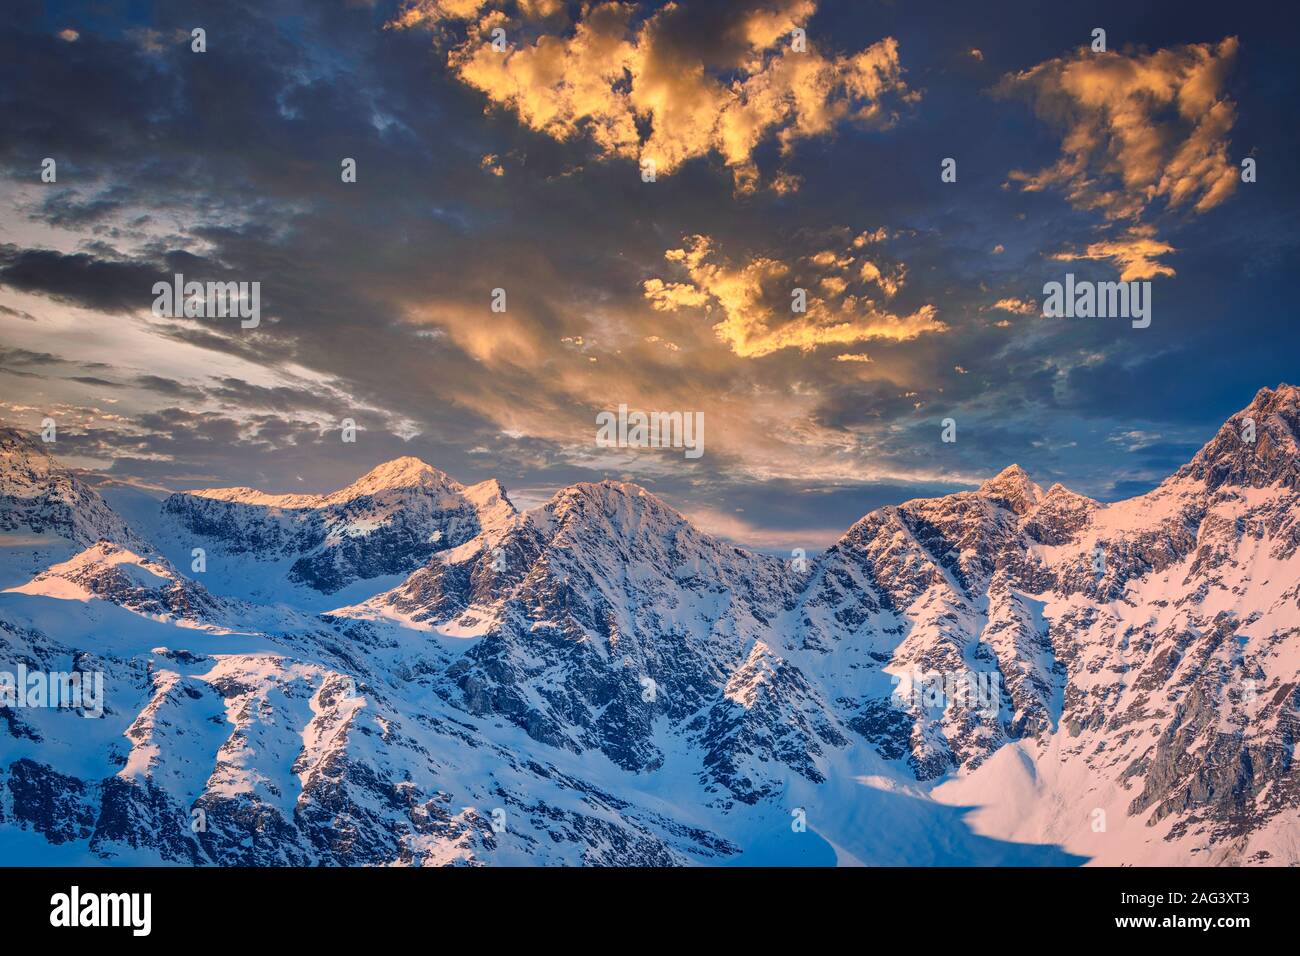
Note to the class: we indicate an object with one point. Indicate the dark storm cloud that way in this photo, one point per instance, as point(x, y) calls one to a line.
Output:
point(12, 357)
point(168, 387)
point(93, 380)
point(29, 364)
point(241, 394)
point(67, 210)
point(79, 278)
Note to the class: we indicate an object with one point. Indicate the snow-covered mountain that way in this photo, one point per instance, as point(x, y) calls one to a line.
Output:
point(47, 514)
point(388, 522)
point(410, 671)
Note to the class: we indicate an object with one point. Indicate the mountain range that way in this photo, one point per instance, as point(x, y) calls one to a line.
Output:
point(411, 671)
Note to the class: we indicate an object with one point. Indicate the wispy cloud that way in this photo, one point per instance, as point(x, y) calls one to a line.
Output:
point(1136, 253)
point(843, 293)
point(1016, 305)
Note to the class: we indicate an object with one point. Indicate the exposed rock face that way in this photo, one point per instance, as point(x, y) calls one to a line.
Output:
point(598, 681)
point(390, 521)
point(38, 497)
point(1272, 458)
point(149, 586)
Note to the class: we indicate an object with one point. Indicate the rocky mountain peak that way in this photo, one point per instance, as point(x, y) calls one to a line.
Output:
point(38, 494)
point(618, 505)
point(1257, 447)
point(404, 472)
point(16, 442)
point(23, 459)
point(1013, 489)
point(399, 474)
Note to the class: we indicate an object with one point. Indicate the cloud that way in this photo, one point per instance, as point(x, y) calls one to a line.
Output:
point(17, 313)
point(673, 86)
point(1016, 305)
point(1135, 439)
point(844, 292)
point(79, 277)
point(1136, 253)
point(1137, 127)
point(732, 527)
point(13, 358)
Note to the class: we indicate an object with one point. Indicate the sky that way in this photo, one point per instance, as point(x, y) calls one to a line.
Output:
point(649, 184)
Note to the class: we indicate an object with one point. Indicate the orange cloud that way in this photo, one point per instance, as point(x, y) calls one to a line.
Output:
point(1136, 253)
point(638, 91)
point(842, 294)
point(733, 527)
point(1136, 127)
point(1018, 306)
